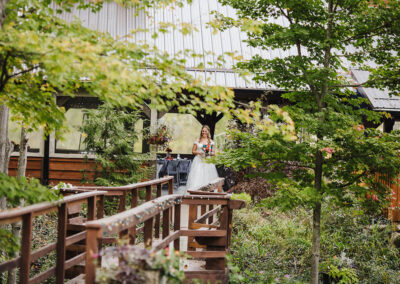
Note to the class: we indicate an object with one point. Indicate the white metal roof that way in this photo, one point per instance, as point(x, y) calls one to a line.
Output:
point(119, 21)
point(379, 99)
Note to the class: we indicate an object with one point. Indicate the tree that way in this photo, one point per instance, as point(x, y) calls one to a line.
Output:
point(110, 135)
point(324, 143)
point(42, 55)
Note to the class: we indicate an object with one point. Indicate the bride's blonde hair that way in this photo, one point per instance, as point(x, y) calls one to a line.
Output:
point(209, 133)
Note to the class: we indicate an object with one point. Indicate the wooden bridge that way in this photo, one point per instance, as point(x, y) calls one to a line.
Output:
point(198, 223)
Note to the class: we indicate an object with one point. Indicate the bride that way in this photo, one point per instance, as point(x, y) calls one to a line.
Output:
point(202, 173)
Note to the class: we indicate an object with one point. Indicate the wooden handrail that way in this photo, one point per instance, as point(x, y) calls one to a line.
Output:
point(26, 215)
point(162, 180)
point(214, 185)
point(135, 216)
point(15, 214)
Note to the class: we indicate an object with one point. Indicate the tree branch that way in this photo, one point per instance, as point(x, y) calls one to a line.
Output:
point(24, 71)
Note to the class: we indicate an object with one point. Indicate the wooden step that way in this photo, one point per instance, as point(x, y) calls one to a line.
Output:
point(206, 276)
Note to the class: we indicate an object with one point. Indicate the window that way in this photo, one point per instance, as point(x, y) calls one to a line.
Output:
point(72, 141)
point(35, 138)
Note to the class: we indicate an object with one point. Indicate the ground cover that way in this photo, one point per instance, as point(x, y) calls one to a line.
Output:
point(269, 246)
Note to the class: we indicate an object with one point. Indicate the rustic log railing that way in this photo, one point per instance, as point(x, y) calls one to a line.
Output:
point(208, 233)
point(213, 238)
point(26, 215)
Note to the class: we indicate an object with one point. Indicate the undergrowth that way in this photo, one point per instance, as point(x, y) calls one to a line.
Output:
point(269, 246)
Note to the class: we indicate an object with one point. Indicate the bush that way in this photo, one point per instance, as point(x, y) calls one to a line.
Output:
point(273, 247)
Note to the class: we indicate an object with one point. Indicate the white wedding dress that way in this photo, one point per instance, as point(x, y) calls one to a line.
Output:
point(201, 173)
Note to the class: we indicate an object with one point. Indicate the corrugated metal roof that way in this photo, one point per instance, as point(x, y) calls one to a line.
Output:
point(379, 99)
point(119, 21)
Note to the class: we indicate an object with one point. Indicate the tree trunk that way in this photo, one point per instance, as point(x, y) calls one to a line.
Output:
point(316, 220)
point(16, 227)
point(5, 146)
point(3, 4)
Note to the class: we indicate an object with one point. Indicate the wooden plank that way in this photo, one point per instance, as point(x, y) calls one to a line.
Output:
point(206, 254)
point(204, 217)
point(148, 193)
point(157, 219)
point(205, 201)
point(191, 218)
point(10, 264)
point(75, 260)
point(75, 238)
point(43, 251)
point(61, 236)
point(134, 203)
point(211, 219)
point(135, 216)
point(195, 192)
point(165, 242)
point(165, 230)
point(43, 276)
point(26, 242)
point(148, 232)
point(91, 252)
point(203, 233)
point(199, 226)
point(177, 224)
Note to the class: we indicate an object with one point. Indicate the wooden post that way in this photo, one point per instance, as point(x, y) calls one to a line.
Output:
point(61, 235)
point(148, 193)
point(157, 218)
point(91, 208)
point(165, 230)
point(171, 186)
point(26, 242)
point(91, 252)
point(100, 215)
point(148, 232)
point(211, 219)
point(219, 263)
point(122, 201)
point(177, 225)
point(132, 230)
point(192, 217)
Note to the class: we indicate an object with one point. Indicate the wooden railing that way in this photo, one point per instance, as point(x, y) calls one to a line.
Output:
point(26, 215)
point(210, 231)
point(206, 232)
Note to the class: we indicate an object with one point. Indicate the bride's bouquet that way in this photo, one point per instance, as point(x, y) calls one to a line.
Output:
point(208, 149)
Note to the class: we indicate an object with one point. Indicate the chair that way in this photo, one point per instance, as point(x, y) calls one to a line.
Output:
point(161, 168)
point(172, 170)
point(183, 171)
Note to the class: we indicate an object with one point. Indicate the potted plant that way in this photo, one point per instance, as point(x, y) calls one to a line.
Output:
point(160, 137)
point(131, 264)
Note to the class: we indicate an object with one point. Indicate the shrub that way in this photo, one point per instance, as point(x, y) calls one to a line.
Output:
point(269, 246)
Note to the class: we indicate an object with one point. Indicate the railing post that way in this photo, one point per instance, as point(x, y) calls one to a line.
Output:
point(177, 224)
point(134, 202)
point(91, 201)
point(192, 217)
point(122, 201)
point(165, 230)
point(148, 232)
point(61, 235)
point(157, 218)
point(92, 251)
point(148, 193)
point(26, 242)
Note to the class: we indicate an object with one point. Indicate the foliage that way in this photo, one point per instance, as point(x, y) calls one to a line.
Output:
point(17, 190)
point(136, 265)
point(42, 55)
point(27, 190)
point(327, 143)
point(241, 196)
point(110, 134)
point(269, 246)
